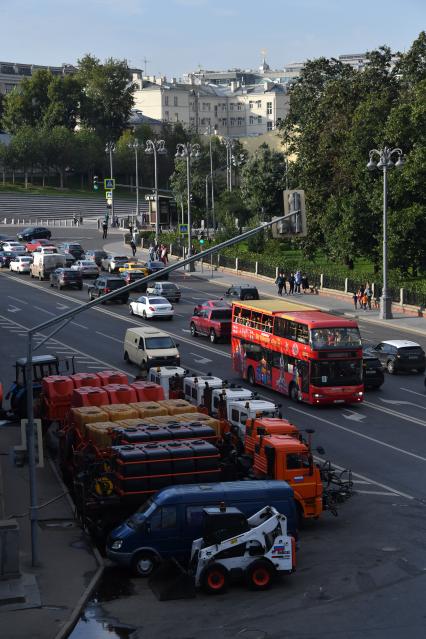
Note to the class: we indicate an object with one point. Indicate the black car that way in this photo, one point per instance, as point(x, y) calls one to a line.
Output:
point(400, 355)
point(96, 256)
point(155, 267)
point(245, 292)
point(34, 233)
point(72, 248)
point(106, 284)
point(5, 258)
point(133, 276)
point(66, 278)
point(372, 369)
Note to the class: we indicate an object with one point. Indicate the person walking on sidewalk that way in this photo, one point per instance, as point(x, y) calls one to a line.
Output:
point(280, 283)
point(291, 282)
point(133, 246)
point(151, 253)
point(297, 281)
point(355, 300)
point(104, 230)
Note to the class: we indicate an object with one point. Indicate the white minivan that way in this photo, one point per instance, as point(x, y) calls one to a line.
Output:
point(148, 346)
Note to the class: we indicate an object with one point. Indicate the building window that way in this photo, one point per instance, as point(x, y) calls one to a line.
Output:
point(259, 119)
point(269, 108)
point(251, 104)
point(175, 101)
point(269, 126)
point(166, 115)
point(203, 121)
point(240, 121)
point(176, 117)
point(192, 121)
point(231, 106)
point(232, 121)
point(224, 107)
point(166, 100)
point(252, 119)
point(224, 121)
point(239, 106)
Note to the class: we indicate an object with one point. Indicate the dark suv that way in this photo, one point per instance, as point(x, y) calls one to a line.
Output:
point(73, 248)
point(247, 292)
point(34, 233)
point(400, 355)
point(106, 284)
point(66, 277)
point(372, 369)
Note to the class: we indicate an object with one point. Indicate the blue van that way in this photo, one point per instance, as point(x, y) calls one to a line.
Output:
point(167, 524)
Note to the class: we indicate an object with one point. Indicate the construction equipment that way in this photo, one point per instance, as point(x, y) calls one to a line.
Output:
point(256, 548)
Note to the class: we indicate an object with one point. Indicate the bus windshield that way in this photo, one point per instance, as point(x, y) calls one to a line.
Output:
point(336, 373)
point(324, 338)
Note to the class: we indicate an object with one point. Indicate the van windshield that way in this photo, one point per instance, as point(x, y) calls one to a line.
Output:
point(159, 342)
point(142, 513)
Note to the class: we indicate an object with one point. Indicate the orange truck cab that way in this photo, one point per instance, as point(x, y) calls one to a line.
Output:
point(256, 428)
point(285, 457)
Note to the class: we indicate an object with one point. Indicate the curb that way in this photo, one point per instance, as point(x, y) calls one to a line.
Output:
point(67, 628)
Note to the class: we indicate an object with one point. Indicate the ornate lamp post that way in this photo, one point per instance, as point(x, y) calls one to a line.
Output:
point(229, 144)
point(156, 147)
point(110, 149)
point(384, 163)
point(189, 152)
point(135, 145)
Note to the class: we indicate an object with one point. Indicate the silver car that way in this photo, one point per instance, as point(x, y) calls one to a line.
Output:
point(87, 268)
point(165, 289)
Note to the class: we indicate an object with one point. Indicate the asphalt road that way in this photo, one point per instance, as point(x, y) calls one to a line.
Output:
point(360, 575)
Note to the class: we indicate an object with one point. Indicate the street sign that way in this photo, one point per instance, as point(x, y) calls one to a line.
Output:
point(108, 195)
point(183, 229)
point(109, 184)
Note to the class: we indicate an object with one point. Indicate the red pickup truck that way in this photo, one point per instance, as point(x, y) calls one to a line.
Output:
point(214, 323)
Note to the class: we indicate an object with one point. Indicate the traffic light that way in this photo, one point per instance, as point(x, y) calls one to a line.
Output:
point(202, 238)
point(95, 183)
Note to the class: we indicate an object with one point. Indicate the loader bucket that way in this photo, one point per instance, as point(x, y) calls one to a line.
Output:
point(170, 581)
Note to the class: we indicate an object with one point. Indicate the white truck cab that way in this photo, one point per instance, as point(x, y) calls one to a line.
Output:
point(221, 396)
point(240, 411)
point(162, 374)
point(194, 387)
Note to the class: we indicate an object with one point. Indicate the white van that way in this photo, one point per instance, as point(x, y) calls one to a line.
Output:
point(46, 263)
point(148, 346)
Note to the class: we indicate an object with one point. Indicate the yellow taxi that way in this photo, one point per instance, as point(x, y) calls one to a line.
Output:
point(134, 266)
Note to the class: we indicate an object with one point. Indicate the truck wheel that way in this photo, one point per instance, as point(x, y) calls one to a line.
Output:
point(214, 579)
point(212, 336)
point(259, 575)
point(144, 564)
point(193, 330)
point(251, 376)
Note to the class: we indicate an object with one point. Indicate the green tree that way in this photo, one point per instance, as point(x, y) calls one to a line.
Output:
point(107, 96)
point(65, 95)
point(263, 180)
point(24, 146)
point(89, 155)
point(61, 151)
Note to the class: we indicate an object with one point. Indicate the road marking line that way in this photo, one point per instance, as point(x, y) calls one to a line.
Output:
point(395, 413)
point(408, 390)
point(43, 310)
point(374, 492)
point(115, 339)
point(17, 299)
point(354, 432)
point(79, 325)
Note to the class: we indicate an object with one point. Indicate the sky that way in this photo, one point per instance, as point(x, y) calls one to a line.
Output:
point(177, 36)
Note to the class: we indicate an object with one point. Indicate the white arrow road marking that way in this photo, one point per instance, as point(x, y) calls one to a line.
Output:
point(120, 341)
point(399, 402)
point(61, 307)
point(13, 309)
point(185, 330)
point(200, 360)
point(351, 414)
point(16, 299)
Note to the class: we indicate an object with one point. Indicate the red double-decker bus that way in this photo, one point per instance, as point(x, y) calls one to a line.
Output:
point(297, 350)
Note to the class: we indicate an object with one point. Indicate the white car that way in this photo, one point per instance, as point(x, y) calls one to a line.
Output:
point(15, 247)
point(21, 264)
point(87, 268)
point(150, 307)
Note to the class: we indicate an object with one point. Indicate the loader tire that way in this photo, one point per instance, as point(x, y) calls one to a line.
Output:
point(260, 574)
point(214, 579)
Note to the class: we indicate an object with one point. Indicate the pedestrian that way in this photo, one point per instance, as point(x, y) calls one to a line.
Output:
point(104, 229)
point(369, 294)
point(133, 247)
point(99, 223)
point(81, 220)
point(164, 254)
point(364, 301)
point(359, 296)
point(75, 219)
point(297, 281)
point(355, 300)
point(280, 283)
point(305, 283)
point(376, 301)
point(151, 253)
point(291, 282)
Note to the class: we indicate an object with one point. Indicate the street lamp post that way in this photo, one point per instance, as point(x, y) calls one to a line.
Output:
point(188, 151)
point(209, 133)
point(385, 162)
point(135, 145)
point(110, 149)
point(229, 144)
point(156, 147)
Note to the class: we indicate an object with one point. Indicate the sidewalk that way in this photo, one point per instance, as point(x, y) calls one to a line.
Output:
point(51, 594)
point(327, 300)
